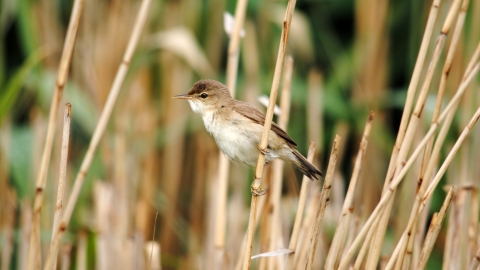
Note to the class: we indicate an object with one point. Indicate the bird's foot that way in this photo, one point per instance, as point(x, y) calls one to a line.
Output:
point(257, 189)
point(264, 151)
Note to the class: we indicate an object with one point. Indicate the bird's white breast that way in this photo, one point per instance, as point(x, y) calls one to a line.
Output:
point(238, 138)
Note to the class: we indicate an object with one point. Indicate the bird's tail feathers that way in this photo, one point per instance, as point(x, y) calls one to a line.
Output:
point(307, 168)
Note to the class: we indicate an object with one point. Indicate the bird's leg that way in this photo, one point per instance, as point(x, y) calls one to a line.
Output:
point(256, 187)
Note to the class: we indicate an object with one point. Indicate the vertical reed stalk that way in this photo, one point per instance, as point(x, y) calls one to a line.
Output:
point(81, 261)
point(430, 169)
point(34, 250)
point(315, 109)
point(277, 177)
point(256, 185)
point(65, 257)
point(324, 198)
point(338, 242)
point(223, 162)
point(475, 261)
point(412, 88)
point(434, 230)
point(405, 166)
point(99, 129)
point(302, 199)
point(446, 70)
point(63, 174)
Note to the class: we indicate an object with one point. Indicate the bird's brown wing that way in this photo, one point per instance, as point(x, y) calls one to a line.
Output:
point(252, 113)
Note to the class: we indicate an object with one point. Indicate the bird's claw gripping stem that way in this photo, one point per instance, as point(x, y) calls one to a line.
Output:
point(262, 150)
point(256, 188)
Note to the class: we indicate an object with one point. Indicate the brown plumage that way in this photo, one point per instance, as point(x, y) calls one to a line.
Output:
point(237, 127)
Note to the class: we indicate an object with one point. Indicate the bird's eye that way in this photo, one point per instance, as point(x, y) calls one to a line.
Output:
point(204, 95)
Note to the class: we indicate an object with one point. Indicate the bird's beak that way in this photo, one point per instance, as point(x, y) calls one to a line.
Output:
point(182, 96)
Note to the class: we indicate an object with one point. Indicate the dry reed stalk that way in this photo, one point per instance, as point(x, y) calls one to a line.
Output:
point(363, 251)
point(338, 242)
point(99, 129)
point(465, 201)
point(251, 64)
point(63, 173)
point(120, 184)
point(307, 226)
point(315, 109)
point(103, 200)
point(276, 190)
point(466, 205)
point(302, 199)
point(441, 91)
point(65, 257)
point(81, 260)
point(25, 230)
point(447, 252)
point(256, 185)
point(7, 222)
point(152, 251)
point(324, 198)
point(434, 156)
point(374, 254)
point(434, 229)
point(475, 261)
point(420, 202)
point(412, 88)
point(34, 250)
point(406, 165)
point(262, 202)
point(473, 228)
point(353, 229)
point(173, 152)
point(223, 162)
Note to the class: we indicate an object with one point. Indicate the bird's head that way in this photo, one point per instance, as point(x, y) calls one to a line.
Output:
point(206, 95)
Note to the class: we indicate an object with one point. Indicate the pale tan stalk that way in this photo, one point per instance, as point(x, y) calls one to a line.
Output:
point(475, 261)
point(324, 198)
point(25, 229)
point(277, 177)
point(63, 173)
point(449, 158)
point(402, 170)
point(65, 257)
point(374, 253)
point(153, 249)
point(315, 108)
point(261, 207)
point(99, 129)
point(473, 228)
point(433, 159)
point(338, 242)
point(304, 234)
point(354, 226)
point(256, 185)
point(434, 229)
point(302, 199)
point(223, 162)
point(81, 261)
point(363, 250)
point(441, 91)
point(34, 249)
point(412, 88)
point(7, 219)
point(447, 252)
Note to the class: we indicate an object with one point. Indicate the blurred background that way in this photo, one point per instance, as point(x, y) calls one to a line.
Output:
point(350, 57)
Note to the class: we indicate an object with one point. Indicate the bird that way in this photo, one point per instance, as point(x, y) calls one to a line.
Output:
point(237, 128)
